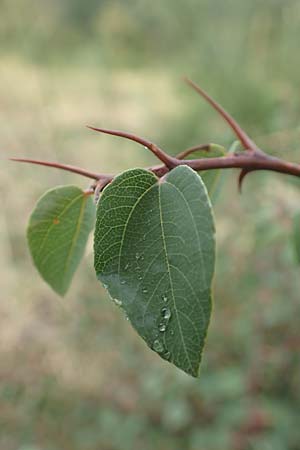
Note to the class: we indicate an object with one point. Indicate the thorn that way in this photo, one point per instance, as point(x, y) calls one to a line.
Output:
point(242, 176)
point(168, 160)
point(245, 140)
point(66, 167)
point(189, 151)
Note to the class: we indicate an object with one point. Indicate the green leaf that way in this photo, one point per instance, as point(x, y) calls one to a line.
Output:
point(155, 254)
point(296, 236)
point(211, 178)
point(57, 233)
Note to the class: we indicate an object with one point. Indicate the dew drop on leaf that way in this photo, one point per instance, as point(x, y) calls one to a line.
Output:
point(117, 301)
point(166, 313)
point(158, 346)
point(162, 327)
point(167, 355)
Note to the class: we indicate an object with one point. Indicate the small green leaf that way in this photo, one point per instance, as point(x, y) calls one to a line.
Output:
point(296, 236)
point(57, 233)
point(211, 178)
point(155, 254)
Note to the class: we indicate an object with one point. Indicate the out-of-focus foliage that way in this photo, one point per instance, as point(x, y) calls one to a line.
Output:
point(73, 375)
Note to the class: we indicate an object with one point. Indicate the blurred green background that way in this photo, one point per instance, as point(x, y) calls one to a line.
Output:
point(73, 374)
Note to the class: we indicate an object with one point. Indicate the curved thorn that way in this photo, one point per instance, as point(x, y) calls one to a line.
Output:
point(242, 176)
point(189, 151)
point(168, 160)
point(245, 140)
point(66, 167)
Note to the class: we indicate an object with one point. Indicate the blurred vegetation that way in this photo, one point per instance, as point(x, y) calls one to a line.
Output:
point(74, 376)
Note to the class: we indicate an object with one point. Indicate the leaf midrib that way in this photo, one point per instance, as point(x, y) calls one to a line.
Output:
point(76, 233)
point(170, 277)
point(196, 231)
point(165, 252)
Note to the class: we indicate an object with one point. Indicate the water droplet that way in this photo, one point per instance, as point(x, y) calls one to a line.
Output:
point(158, 346)
point(126, 267)
point(117, 301)
point(140, 277)
point(162, 327)
point(123, 282)
point(145, 291)
point(172, 332)
point(166, 313)
point(164, 298)
point(167, 355)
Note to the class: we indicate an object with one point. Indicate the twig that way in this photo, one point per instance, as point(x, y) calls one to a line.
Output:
point(250, 160)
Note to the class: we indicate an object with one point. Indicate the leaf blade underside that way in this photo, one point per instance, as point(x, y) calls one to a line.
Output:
point(154, 252)
point(57, 233)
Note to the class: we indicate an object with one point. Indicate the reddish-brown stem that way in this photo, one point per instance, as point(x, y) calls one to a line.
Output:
point(168, 160)
point(248, 161)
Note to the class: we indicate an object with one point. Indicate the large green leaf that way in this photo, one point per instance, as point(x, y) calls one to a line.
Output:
point(155, 253)
point(57, 234)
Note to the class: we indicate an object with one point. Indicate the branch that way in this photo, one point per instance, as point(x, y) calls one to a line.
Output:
point(248, 161)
